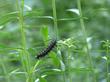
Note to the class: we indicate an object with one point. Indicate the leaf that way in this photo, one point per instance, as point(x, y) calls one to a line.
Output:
point(55, 59)
point(76, 11)
point(42, 80)
point(52, 71)
point(28, 7)
point(104, 57)
point(8, 17)
point(44, 32)
point(14, 15)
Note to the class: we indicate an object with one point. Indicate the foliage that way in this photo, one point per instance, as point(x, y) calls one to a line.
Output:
point(81, 28)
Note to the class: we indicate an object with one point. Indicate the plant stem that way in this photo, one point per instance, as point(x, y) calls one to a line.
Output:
point(4, 70)
point(25, 59)
point(107, 64)
point(85, 38)
point(56, 31)
point(69, 65)
point(55, 17)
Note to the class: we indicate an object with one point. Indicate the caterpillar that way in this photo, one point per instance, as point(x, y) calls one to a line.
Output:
point(47, 50)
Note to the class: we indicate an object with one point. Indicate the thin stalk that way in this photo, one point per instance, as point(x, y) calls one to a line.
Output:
point(85, 38)
point(22, 35)
point(24, 54)
point(4, 70)
point(69, 65)
point(62, 58)
point(64, 76)
point(56, 30)
point(107, 64)
point(55, 17)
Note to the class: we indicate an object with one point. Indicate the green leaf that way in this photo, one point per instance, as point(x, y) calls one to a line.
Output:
point(44, 32)
point(55, 59)
point(42, 79)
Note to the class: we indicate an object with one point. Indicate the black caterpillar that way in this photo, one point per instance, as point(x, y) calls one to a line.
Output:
point(47, 50)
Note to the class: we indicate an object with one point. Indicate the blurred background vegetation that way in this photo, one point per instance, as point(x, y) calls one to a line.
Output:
point(68, 62)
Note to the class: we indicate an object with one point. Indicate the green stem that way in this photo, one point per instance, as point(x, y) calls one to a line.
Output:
point(55, 17)
point(25, 59)
point(69, 66)
point(4, 70)
point(107, 64)
point(85, 38)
